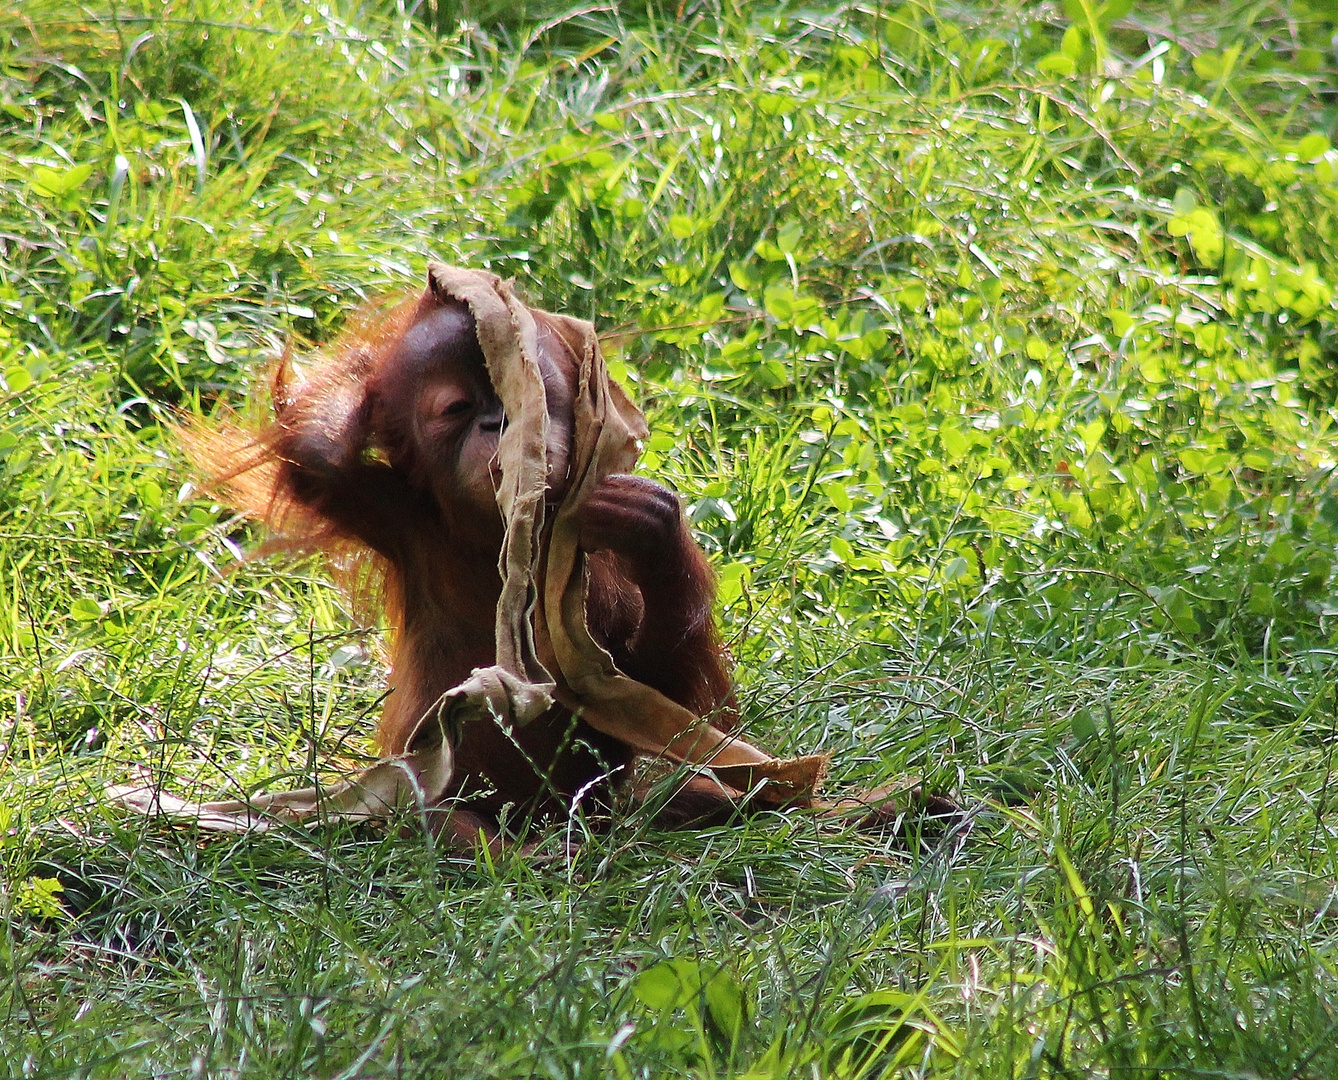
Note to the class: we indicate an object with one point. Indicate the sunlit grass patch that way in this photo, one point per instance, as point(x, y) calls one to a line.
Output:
point(991, 348)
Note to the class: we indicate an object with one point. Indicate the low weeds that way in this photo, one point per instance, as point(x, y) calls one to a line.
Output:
point(992, 348)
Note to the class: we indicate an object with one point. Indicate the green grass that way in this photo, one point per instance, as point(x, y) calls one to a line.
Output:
point(993, 348)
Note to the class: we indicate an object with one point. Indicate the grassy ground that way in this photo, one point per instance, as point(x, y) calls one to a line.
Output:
point(993, 348)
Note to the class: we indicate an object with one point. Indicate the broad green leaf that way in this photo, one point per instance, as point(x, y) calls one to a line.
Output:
point(85, 610)
point(53, 183)
point(955, 442)
point(788, 236)
point(1057, 63)
point(743, 275)
point(839, 496)
point(1261, 599)
point(670, 984)
point(1313, 147)
point(955, 568)
point(726, 1004)
point(150, 494)
point(681, 226)
point(1208, 66)
point(912, 297)
point(17, 380)
point(1073, 44)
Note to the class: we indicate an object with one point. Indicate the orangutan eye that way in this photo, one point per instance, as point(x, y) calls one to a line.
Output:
point(456, 408)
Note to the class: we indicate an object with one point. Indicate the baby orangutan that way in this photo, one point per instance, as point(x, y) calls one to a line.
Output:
point(391, 446)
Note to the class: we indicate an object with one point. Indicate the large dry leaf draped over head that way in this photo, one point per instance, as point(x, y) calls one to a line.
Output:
point(541, 613)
